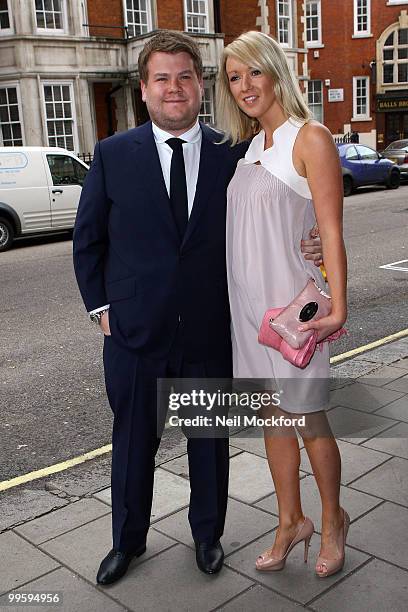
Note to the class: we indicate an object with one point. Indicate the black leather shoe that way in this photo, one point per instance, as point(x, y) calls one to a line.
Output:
point(115, 565)
point(209, 557)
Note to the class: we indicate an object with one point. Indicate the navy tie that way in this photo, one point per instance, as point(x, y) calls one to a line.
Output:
point(178, 186)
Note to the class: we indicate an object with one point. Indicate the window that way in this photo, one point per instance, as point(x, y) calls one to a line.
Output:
point(11, 133)
point(361, 97)
point(5, 18)
point(362, 17)
point(284, 10)
point(206, 114)
point(395, 57)
point(313, 23)
point(50, 14)
point(196, 16)
point(315, 99)
point(366, 152)
point(138, 17)
point(59, 114)
point(351, 154)
point(65, 170)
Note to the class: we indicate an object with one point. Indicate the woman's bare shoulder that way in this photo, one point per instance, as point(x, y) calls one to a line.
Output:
point(315, 133)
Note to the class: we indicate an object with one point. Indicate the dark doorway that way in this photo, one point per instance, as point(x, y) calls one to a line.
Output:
point(141, 110)
point(396, 127)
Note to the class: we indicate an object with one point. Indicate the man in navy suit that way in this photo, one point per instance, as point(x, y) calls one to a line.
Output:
point(149, 256)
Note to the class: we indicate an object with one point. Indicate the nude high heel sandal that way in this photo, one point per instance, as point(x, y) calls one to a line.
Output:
point(335, 565)
point(266, 563)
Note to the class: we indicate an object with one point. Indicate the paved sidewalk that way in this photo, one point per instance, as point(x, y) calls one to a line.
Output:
point(61, 550)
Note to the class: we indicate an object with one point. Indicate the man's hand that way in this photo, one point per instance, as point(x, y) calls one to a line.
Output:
point(312, 248)
point(105, 323)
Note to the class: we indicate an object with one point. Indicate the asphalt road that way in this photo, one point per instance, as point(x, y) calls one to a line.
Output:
point(53, 404)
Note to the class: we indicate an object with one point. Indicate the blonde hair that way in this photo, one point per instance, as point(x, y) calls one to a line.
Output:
point(263, 52)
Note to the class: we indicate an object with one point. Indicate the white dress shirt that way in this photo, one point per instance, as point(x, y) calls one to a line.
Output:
point(191, 153)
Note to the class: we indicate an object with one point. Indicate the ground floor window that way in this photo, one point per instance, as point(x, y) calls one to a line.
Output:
point(60, 116)
point(206, 114)
point(361, 99)
point(11, 133)
point(315, 99)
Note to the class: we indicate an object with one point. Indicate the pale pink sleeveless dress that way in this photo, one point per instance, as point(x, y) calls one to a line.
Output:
point(270, 209)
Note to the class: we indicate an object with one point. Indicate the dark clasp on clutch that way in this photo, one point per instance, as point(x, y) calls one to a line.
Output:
point(308, 312)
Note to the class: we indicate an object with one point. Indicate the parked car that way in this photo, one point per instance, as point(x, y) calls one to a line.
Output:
point(40, 189)
point(362, 165)
point(397, 152)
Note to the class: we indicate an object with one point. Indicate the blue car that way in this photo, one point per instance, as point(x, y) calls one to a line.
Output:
point(362, 165)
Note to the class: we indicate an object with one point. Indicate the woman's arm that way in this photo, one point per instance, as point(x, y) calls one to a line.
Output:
point(318, 154)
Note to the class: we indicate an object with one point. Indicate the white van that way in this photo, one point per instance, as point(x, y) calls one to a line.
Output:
point(40, 189)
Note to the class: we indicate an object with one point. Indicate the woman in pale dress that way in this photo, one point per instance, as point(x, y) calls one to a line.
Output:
point(290, 177)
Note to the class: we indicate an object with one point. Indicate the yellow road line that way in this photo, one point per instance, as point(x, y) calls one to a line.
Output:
point(65, 465)
point(53, 469)
point(368, 347)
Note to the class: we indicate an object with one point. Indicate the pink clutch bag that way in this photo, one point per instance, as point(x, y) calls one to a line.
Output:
point(279, 325)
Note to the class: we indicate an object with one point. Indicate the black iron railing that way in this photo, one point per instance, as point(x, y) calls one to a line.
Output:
point(347, 138)
point(86, 157)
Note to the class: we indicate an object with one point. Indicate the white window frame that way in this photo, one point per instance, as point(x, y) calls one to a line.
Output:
point(149, 24)
point(318, 42)
point(396, 2)
point(209, 90)
point(311, 105)
point(366, 115)
point(206, 15)
point(16, 85)
point(290, 21)
point(362, 33)
point(10, 30)
point(395, 62)
point(74, 117)
point(53, 31)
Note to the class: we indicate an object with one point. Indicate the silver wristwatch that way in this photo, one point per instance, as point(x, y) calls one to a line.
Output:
point(97, 316)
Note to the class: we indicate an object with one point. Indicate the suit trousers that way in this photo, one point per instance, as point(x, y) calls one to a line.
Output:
point(131, 384)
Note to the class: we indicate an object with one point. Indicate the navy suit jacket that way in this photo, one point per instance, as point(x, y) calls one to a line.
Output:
point(127, 251)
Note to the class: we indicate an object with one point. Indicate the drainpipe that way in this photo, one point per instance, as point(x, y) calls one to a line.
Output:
point(217, 16)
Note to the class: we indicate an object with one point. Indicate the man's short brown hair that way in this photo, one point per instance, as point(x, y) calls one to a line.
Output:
point(167, 41)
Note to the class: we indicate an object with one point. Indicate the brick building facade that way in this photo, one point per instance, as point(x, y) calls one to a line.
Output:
point(68, 74)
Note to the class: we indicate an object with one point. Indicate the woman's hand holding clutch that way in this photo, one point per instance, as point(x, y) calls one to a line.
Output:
point(326, 327)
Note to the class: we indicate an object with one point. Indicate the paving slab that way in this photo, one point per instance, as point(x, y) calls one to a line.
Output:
point(367, 398)
point(173, 576)
point(250, 478)
point(179, 465)
point(77, 595)
point(52, 525)
point(402, 363)
point(20, 562)
point(252, 441)
point(389, 481)
point(383, 534)
point(382, 376)
point(394, 441)
point(298, 580)
point(171, 493)
point(83, 549)
point(355, 502)
point(23, 504)
point(376, 586)
point(396, 410)
point(259, 598)
point(355, 461)
point(389, 353)
point(356, 426)
point(401, 384)
point(242, 525)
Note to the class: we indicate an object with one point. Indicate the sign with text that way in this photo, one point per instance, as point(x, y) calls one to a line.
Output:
point(336, 95)
point(392, 104)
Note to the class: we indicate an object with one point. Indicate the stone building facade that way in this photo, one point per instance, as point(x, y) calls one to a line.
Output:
point(68, 68)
